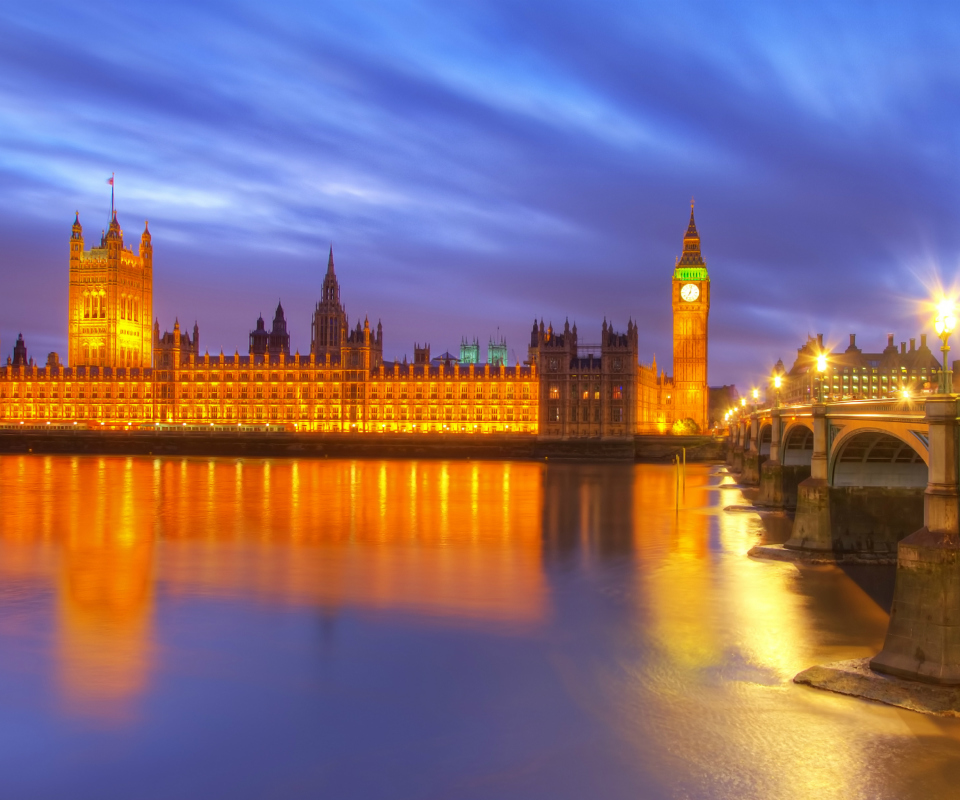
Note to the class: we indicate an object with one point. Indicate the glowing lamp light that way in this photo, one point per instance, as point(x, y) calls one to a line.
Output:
point(946, 319)
point(906, 393)
point(743, 402)
point(777, 380)
point(756, 394)
point(821, 363)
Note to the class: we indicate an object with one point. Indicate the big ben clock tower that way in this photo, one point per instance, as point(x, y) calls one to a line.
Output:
point(691, 308)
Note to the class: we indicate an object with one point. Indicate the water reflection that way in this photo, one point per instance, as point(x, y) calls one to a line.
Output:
point(444, 539)
point(485, 629)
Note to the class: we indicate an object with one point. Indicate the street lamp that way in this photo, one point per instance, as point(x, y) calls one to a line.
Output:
point(944, 323)
point(777, 380)
point(821, 368)
point(756, 396)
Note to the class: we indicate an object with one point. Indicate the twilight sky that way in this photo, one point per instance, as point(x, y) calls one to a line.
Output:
point(477, 164)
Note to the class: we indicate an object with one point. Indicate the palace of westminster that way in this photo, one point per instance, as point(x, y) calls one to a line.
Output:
point(121, 371)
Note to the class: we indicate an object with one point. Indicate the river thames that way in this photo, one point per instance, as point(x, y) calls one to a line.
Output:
point(198, 628)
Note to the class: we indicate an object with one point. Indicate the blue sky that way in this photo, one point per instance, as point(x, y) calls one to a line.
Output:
point(476, 165)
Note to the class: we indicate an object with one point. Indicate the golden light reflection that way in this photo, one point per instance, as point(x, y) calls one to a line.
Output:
point(443, 540)
point(730, 633)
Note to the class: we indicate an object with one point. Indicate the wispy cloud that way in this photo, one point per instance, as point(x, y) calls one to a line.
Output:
point(476, 160)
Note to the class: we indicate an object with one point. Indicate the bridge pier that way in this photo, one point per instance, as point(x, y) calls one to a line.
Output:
point(812, 528)
point(750, 475)
point(738, 450)
point(923, 640)
point(866, 521)
point(771, 471)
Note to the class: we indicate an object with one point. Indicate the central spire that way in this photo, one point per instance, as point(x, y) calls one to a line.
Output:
point(692, 227)
point(330, 262)
point(691, 245)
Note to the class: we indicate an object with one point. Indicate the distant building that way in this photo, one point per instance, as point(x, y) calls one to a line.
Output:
point(170, 349)
point(272, 342)
point(469, 352)
point(20, 352)
point(722, 399)
point(852, 374)
point(497, 352)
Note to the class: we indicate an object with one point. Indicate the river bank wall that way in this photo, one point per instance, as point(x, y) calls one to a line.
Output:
point(347, 445)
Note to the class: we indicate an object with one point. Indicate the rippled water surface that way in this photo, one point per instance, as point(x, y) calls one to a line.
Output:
point(189, 628)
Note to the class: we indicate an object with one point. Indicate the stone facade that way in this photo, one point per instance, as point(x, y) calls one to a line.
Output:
point(122, 372)
point(111, 300)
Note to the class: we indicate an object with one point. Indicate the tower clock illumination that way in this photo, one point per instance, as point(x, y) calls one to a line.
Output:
point(691, 309)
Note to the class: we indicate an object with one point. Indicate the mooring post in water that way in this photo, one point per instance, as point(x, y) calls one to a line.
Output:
point(676, 483)
point(684, 473)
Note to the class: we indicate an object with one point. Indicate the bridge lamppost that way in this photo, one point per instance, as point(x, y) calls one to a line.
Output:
point(821, 368)
point(756, 398)
point(776, 385)
point(944, 323)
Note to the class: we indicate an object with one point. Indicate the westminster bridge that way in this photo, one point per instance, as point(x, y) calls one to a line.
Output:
point(868, 479)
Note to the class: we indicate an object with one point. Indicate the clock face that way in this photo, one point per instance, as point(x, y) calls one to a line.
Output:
point(690, 292)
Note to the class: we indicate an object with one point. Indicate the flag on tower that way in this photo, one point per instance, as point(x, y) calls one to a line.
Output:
point(110, 180)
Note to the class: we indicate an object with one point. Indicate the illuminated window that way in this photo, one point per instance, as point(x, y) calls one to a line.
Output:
point(554, 391)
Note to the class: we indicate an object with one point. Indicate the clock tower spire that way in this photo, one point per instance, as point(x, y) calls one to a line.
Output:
point(691, 309)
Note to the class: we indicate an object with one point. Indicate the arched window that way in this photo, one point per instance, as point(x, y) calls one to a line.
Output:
point(86, 306)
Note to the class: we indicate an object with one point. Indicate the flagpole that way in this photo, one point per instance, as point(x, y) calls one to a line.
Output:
point(112, 178)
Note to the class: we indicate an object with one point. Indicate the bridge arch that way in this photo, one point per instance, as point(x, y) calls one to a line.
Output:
point(796, 445)
point(872, 456)
point(765, 438)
